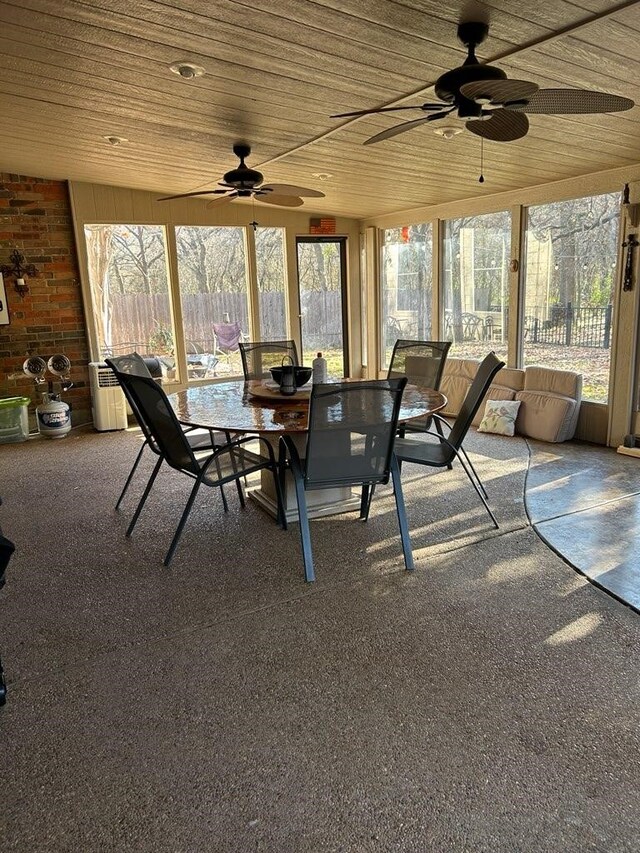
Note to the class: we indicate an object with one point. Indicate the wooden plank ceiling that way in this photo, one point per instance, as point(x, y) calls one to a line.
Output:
point(73, 72)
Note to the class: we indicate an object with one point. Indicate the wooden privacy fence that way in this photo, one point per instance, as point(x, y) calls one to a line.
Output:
point(145, 319)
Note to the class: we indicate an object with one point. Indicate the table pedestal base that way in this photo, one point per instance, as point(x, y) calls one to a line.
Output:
point(320, 502)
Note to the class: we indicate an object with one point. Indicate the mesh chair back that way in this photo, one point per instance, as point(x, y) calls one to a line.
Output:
point(475, 395)
point(155, 410)
point(422, 362)
point(132, 364)
point(259, 356)
point(352, 426)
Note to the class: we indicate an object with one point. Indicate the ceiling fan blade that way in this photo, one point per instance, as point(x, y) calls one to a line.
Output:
point(574, 101)
point(502, 126)
point(289, 189)
point(424, 107)
point(189, 195)
point(407, 125)
point(499, 92)
point(280, 200)
point(222, 200)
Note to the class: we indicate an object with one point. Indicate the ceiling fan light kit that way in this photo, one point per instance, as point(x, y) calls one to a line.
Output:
point(448, 131)
point(493, 106)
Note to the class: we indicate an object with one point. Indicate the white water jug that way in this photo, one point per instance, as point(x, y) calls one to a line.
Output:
point(319, 368)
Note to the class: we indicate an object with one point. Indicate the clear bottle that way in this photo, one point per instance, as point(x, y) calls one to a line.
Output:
point(319, 369)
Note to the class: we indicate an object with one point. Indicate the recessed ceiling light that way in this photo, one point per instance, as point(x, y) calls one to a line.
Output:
point(115, 140)
point(322, 176)
point(447, 131)
point(187, 70)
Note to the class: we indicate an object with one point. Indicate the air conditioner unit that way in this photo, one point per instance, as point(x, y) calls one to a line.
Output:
point(108, 403)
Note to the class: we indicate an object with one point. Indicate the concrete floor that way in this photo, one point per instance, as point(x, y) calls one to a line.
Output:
point(486, 702)
point(584, 501)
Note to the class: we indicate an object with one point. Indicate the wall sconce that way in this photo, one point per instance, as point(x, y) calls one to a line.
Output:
point(18, 269)
point(633, 210)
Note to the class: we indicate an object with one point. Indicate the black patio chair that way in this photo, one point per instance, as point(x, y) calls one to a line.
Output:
point(350, 443)
point(422, 362)
point(199, 439)
point(227, 463)
point(448, 449)
point(259, 356)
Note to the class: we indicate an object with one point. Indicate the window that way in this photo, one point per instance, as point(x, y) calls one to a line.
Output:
point(212, 269)
point(130, 290)
point(406, 285)
point(272, 278)
point(571, 251)
point(476, 284)
point(322, 281)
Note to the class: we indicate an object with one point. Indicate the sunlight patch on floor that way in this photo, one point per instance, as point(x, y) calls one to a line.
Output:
point(576, 630)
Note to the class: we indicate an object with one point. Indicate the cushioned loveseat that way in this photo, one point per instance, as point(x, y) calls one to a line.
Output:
point(549, 399)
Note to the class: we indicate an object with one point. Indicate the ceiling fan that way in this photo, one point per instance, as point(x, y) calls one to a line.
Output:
point(243, 182)
point(492, 106)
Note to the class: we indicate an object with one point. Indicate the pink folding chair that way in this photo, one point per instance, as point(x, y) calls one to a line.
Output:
point(227, 337)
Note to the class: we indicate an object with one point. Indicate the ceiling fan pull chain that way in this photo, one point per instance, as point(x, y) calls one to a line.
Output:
point(481, 178)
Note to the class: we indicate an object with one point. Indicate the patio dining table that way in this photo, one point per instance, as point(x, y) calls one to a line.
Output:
point(249, 407)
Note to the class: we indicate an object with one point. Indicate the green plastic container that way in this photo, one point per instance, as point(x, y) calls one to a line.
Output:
point(14, 419)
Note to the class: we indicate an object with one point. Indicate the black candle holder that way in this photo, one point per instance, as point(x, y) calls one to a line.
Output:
point(18, 269)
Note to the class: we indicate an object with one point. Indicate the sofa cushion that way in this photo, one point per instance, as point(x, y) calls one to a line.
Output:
point(510, 377)
point(566, 383)
point(454, 388)
point(456, 380)
point(545, 416)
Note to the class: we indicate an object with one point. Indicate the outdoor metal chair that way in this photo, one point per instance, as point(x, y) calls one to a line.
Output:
point(472, 326)
point(443, 453)
point(259, 356)
point(201, 362)
point(350, 443)
point(227, 463)
point(134, 364)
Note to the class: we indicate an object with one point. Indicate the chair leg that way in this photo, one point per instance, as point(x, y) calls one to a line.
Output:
point(365, 506)
point(402, 514)
point(281, 514)
point(238, 483)
point(183, 521)
point(470, 463)
point(145, 495)
point(281, 476)
point(441, 434)
point(364, 501)
point(131, 473)
point(305, 534)
point(479, 492)
point(225, 505)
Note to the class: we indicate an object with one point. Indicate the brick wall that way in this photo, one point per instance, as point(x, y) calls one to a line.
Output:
point(35, 218)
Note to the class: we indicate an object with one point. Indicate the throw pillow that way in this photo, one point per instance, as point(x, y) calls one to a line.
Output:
point(500, 417)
